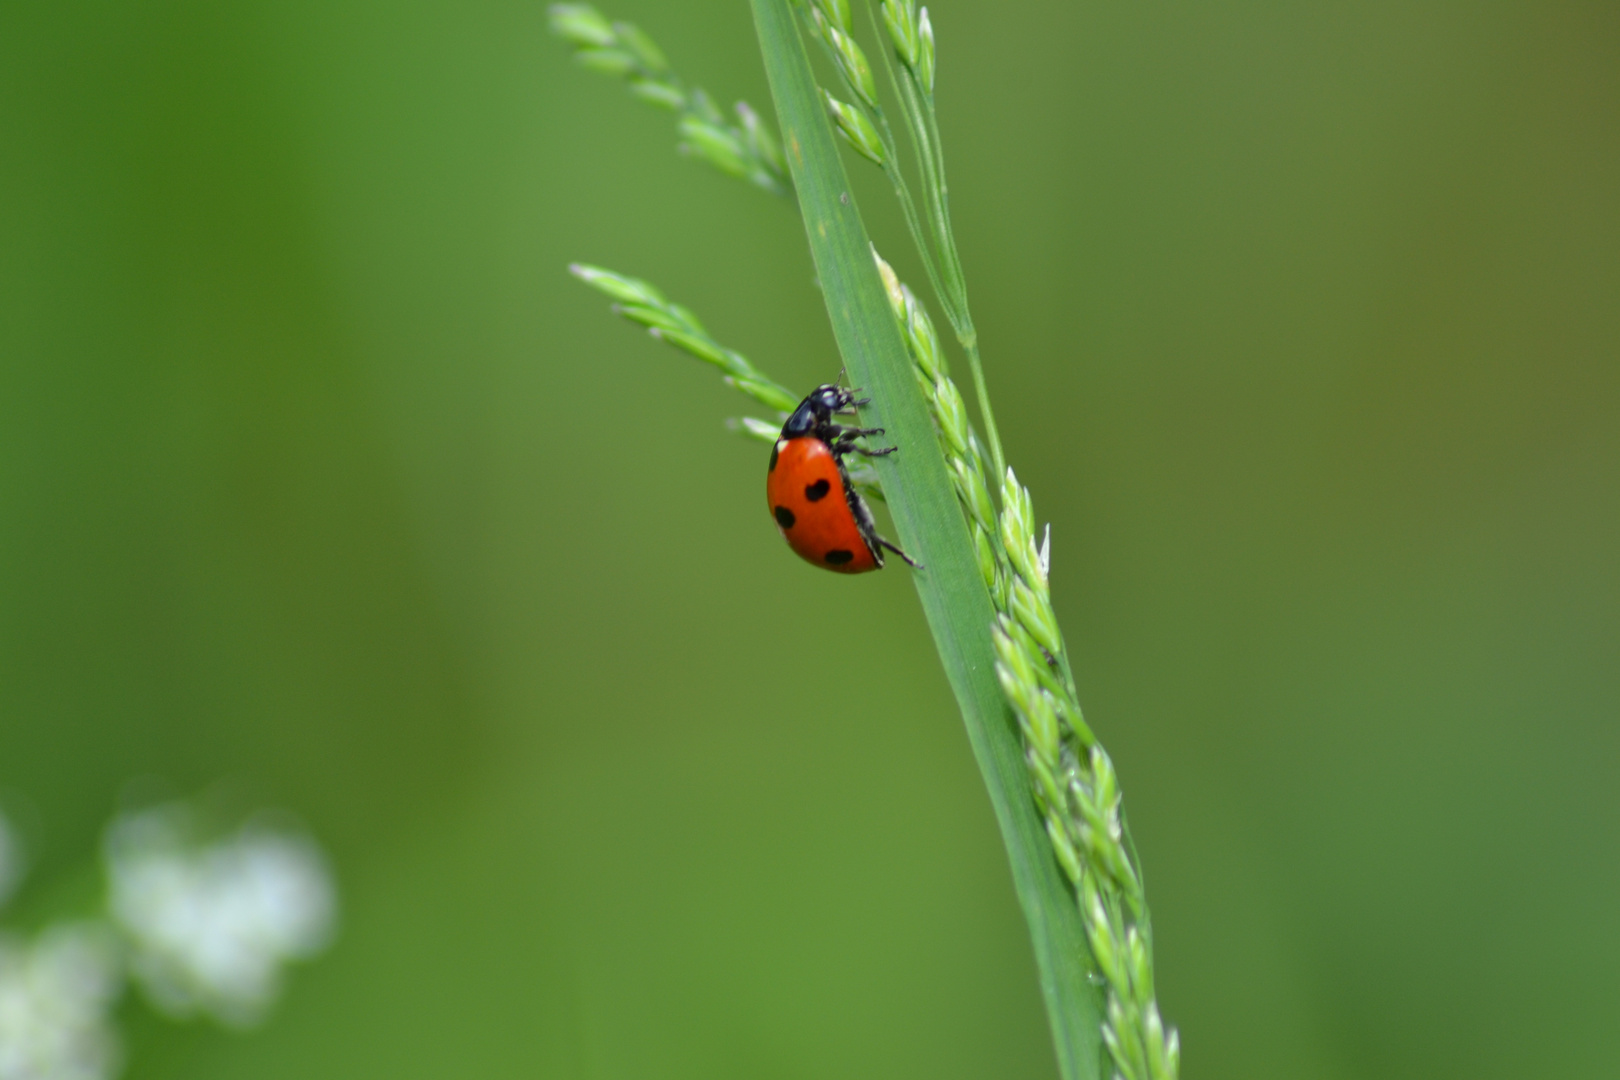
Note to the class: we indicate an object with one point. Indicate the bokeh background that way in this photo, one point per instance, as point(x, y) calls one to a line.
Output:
point(320, 478)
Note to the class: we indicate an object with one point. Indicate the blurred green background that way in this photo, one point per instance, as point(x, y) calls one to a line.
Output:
point(319, 475)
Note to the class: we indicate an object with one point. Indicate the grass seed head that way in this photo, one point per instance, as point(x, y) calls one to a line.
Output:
point(582, 25)
point(837, 12)
point(658, 93)
point(629, 290)
point(756, 429)
point(900, 19)
point(650, 56)
point(765, 392)
point(714, 144)
point(925, 52)
point(641, 303)
point(623, 50)
point(856, 129)
point(615, 62)
point(891, 287)
point(852, 64)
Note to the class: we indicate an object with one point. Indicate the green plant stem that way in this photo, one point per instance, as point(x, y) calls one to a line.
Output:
point(922, 123)
point(920, 105)
point(930, 525)
point(976, 367)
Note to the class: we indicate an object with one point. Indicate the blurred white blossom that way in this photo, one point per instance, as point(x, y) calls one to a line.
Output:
point(210, 926)
point(55, 996)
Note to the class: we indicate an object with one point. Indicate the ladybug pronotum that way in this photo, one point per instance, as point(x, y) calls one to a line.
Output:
point(819, 512)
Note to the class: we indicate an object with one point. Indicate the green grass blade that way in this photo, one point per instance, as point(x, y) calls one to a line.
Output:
point(932, 530)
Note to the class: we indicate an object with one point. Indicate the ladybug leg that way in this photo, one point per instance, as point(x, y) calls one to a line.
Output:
point(896, 549)
point(845, 448)
point(863, 516)
point(843, 442)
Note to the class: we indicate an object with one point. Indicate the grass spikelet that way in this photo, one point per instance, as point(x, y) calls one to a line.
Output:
point(925, 53)
point(857, 130)
point(667, 321)
point(900, 20)
point(746, 149)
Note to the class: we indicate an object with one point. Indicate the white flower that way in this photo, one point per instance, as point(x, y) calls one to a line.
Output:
point(211, 926)
point(54, 1000)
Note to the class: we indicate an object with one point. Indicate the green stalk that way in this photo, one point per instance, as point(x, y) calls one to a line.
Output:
point(931, 527)
point(950, 286)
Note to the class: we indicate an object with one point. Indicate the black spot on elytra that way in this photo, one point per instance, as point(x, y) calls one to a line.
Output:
point(773, 459)
point(838, 557)
point(784, 517)
point(818, 490)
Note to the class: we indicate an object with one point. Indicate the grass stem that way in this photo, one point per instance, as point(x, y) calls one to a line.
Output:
point(931, 526)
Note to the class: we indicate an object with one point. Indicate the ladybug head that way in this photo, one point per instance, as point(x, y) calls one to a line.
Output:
point(822, 404)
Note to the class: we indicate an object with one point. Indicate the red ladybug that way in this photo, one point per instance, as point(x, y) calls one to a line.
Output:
point(821, 515)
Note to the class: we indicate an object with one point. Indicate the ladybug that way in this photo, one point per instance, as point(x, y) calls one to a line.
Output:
point(819, 512)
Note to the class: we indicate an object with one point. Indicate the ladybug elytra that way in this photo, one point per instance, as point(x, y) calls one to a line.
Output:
point(819, 512)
